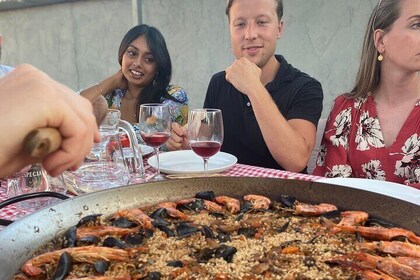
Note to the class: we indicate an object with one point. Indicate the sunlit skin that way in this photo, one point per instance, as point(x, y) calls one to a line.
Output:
point(399, 87)
point(138, 65)
point(254, 29)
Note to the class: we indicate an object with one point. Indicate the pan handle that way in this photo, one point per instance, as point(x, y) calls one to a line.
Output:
point(22, 197)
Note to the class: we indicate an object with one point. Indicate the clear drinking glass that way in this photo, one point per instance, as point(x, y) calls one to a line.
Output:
point(205, 133)
point(155, 129)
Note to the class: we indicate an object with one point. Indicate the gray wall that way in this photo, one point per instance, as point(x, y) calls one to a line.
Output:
point(77, 42)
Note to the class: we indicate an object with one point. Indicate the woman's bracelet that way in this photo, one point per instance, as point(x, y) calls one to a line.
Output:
point(100, 88)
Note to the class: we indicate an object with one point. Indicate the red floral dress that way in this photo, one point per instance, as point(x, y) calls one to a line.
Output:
point(353, 144)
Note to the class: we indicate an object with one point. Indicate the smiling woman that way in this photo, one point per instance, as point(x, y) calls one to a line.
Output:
point(144, 76)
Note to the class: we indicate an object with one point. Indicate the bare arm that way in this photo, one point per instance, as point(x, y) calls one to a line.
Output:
point(290, 142)
point(29, 100)
point(105, 87)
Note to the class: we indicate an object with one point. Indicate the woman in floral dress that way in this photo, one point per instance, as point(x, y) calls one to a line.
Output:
point(144, 77)
point(374, 131)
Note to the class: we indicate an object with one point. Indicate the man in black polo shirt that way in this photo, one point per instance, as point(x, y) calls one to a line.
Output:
point(270, 109)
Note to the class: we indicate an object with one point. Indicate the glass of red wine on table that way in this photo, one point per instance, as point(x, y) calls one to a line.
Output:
point(155, 129)
point(205, 133)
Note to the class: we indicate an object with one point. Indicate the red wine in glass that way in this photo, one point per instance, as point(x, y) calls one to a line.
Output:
point(155, 140)
point(205, 133)
point(206, 149)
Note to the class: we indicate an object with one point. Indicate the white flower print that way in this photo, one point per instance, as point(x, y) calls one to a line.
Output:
point(360, 101)
point(368, 133)
point(373, 170)
point(409, 165)
point(341, 170)
point(342, 124)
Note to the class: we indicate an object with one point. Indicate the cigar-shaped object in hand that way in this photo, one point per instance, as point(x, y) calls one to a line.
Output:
point(42, 141)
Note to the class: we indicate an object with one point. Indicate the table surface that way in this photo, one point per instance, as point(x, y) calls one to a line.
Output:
point(13, 212)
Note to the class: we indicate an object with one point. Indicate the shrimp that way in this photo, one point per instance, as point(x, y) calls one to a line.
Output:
point(258, 201)
point(387, 265)
point(135, 215)
point(232, 204)
point(313, 210)
point(88, 254)
point(378, 233)
point(122, 277)
point(212, 206)
point(100, 231)
point(350, 218)
point(394, 248)
point(408, 261)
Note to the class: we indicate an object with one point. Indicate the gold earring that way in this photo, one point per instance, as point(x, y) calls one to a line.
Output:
point(380, 57)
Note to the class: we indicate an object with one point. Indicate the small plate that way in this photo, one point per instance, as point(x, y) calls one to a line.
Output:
point(186, 161)
point(391, 189)
point(145, 150)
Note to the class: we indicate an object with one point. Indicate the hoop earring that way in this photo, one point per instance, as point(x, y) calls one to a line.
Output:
point(380, 57)
point(154, 83)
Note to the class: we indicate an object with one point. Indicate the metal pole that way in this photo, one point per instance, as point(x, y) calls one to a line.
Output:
point(137, 12)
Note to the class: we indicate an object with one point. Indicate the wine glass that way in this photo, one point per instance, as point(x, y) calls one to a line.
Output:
point(205, 133)
point(155, 129)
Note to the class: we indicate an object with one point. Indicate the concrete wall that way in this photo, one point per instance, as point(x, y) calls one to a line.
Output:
point(77, 42)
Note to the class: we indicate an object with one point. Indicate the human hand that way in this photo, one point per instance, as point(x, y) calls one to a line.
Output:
point(179, 138)
point(120, 80)
point(244, 75)
point(30, 99)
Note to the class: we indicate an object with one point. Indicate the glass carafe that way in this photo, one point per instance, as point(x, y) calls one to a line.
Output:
point(100, 170)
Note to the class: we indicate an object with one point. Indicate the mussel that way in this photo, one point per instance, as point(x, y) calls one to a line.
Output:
point(208, 233)
point(101, 266)
point(70, 237)
point(91, 220)
point(89, 240)
point(123, 223)
point(247, 231)
point(184, 229)
point(134, 239)
point(225, 252)
point(114, 242)
point(175, 263)
point(63, 267)
point(207, 195)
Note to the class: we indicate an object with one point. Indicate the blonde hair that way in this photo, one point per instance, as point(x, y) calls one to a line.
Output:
point(383, 17)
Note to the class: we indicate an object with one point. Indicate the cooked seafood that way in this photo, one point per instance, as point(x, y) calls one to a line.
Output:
point(220, 237)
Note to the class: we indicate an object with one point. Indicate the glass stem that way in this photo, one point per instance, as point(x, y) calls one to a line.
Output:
point(157, 160)
point(206, 165)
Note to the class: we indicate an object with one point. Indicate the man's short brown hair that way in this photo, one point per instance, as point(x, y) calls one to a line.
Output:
point(279, 8)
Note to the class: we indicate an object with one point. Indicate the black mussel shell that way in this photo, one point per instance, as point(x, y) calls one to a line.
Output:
point(134, 239)
point(334, 216)
point(245, 207)
point(225, 252)
point(207, 195)
point(63, 267)
point(312, 240)
point(359, 237)
point(283, 228)
point(160, 222)
point(207, 232)
point(194, 205)
point(123, 223)
point(114, 242)
point(70, 237)
point(159, 213)
point(287, 201)
point(376, 221)
point(154, 275)
point(89, 240)
point(247, 231)
point(165, 229)
point(204, 255)
point(184, 230)
point(88, 219)
point(223, 237)
point(101, 266)
point(175, 263)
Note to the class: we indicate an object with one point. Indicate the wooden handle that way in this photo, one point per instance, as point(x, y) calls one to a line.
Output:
point(42, 141)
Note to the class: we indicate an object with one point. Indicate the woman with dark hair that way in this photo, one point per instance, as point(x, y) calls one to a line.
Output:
point(374, 131)
point(144, 77)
